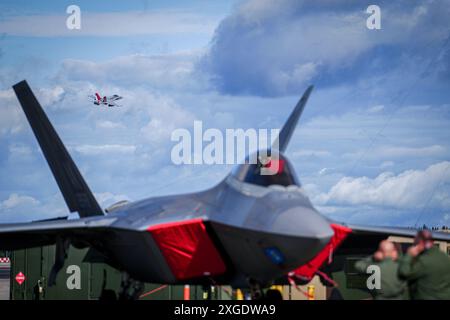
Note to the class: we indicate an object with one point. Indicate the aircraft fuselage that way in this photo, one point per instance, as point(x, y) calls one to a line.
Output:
point(261, 232)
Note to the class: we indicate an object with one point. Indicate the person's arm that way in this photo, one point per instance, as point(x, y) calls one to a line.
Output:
point(410, 268)
point(363, 264)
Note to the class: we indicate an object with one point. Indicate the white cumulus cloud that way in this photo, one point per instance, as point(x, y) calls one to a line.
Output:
point(111, 24)
point(105, 149)
point(410, 189)
point(106, 124)
point(15, 200)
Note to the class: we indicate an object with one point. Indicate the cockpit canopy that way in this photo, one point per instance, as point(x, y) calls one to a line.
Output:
point(268, 170)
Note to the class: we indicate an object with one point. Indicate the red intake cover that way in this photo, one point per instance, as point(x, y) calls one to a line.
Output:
point(308, 270)
point(187, 248)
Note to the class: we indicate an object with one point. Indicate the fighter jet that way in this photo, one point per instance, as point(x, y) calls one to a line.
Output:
point(107, 101)
point(249, 230)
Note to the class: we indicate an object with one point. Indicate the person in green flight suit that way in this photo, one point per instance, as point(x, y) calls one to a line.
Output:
point(426, 268)
point(391, 287)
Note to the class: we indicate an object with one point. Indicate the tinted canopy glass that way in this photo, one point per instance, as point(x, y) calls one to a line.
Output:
point(282, 173)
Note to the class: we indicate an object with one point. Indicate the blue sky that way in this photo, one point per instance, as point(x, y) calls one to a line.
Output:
point(372, 146)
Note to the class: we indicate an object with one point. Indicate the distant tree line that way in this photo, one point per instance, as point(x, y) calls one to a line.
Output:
point(435, 228)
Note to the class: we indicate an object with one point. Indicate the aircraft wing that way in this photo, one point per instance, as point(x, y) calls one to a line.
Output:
point(112, 103)
point(350, 240)
point(175, 235)
point(358, 230)
point(15, 236)
point(364, 240)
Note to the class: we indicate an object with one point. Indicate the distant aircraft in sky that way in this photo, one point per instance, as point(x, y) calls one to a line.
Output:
point(107, 101)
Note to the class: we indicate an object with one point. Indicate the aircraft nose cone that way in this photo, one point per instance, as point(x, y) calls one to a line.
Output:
point(302, 233)
point(303, 222)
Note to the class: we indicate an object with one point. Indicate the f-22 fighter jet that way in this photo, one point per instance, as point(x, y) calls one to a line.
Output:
point(249, 230)
point(107, 101)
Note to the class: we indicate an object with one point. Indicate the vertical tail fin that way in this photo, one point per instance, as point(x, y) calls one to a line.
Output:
point(289, 127)
point(74, 189)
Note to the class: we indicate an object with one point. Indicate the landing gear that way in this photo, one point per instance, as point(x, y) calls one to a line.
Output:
point(257, 292)
point(130, 289)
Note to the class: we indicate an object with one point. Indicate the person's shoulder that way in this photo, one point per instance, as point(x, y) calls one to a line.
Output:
point(362, 264)
point(435, 251)
point(434, 254)
point(443, 255)
point(387, 261)
point(390, 263)
point(405, 258)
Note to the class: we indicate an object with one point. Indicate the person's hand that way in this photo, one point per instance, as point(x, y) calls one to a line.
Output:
point(378, 256)
point(414, 251)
